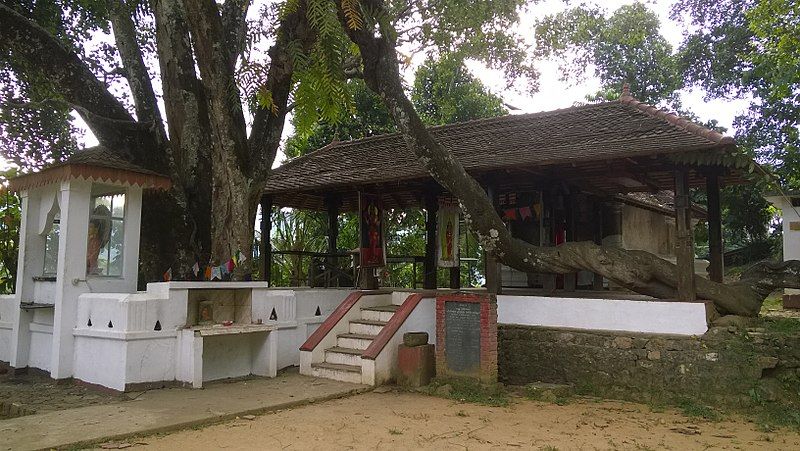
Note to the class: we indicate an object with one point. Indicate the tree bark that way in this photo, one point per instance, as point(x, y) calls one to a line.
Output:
point(639, 271)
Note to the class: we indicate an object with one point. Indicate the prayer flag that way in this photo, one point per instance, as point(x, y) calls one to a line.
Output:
point(216, 273)
point(207, 273)
point(538, 209)
point(525, 213)
point(230, 265)
point(196, 269)
point(510, 214)
point(242, 258)
point(168, 275)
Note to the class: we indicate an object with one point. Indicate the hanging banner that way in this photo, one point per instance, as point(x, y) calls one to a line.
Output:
point(372, 246)
point(447, 235)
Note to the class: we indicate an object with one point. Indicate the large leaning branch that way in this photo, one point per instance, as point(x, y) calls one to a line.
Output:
point(639, 271)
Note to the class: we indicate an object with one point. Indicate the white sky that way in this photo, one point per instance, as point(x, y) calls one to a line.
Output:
point(554, 93)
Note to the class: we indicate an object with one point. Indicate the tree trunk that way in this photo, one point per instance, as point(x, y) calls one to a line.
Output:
point(636, 270)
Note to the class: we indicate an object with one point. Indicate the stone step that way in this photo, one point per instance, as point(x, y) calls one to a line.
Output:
point(343, 356)
point(379, 312)
point(367, 327)
point(354, 341)
point(344, 373)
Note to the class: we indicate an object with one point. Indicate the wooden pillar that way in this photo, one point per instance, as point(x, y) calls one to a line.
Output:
point(266, 242)
point(332, 206)
point(455, 278)
point(684, 247)
point(431, 207)
point(492, 270)
point(716, 267)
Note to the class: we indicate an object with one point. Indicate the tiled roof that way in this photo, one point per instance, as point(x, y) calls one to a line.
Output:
point(624, 128)
point(95, 163)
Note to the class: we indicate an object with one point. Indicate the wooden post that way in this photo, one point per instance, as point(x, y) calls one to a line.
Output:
point(684, 247)
point(332, 205)
point(716, 267)
point(492, 270)
point(455, 277)
point(431, 207)
point(266, 242)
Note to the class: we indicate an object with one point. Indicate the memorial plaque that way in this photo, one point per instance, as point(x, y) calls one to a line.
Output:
point(463, 336)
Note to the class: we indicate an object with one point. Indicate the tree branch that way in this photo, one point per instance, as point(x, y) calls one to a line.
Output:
point(108, 119)
point(267, 128)
point(144, 98)
point(234, 25)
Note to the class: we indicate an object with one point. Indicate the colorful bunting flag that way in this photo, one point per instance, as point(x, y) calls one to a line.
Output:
point(207, 273)
point(168, 275)
point(525, 213)
point(510, 214)
point(216, 273)
point(230, 265)
point(196, 269)
point(242, 258)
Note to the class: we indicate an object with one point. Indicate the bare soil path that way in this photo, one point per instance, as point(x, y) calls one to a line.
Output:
point(400, 420)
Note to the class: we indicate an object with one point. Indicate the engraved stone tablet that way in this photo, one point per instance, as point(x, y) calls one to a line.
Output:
point(463, 336)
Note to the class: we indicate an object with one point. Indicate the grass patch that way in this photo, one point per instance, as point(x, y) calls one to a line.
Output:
point(556, 395)
point(781, 326)
point(694, 410)
point(468, 390)
point(395, 432)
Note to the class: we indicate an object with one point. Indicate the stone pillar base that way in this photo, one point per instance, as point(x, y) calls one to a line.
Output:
point(416, 365)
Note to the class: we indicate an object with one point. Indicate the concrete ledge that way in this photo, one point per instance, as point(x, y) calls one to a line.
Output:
point(168, 410)
point(124, 336)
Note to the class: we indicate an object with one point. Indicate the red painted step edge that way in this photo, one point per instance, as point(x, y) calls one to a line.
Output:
point(334, 319)
point(392, 326)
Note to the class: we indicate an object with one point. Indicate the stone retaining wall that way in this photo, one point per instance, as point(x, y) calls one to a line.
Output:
point(724, 366)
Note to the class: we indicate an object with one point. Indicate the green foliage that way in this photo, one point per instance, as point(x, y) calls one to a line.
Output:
point(692, 409)
point(471, 391)
point(625, 47)
point(445, 92)
point(751, 47)
point(9, 233)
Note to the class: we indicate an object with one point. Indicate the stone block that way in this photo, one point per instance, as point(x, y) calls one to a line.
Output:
point(623, 343)
point(416, 365)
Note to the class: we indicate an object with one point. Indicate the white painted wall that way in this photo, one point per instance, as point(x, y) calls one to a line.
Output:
point(7, 306)
point(384, 368)
point(680, 318)
point(791, 238)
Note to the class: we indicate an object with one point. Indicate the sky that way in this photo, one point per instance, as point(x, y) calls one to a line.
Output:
point(554, 93)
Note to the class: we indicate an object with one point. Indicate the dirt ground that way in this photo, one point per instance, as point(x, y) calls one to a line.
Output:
point(36, 394)
point(400, 420)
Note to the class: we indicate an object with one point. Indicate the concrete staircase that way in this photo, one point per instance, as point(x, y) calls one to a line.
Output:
point(343, 361)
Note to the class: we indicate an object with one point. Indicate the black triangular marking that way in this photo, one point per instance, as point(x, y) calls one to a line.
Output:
point(110, 325)
point(318, 312)
point(89, 324)
point(158, 325)
point(273, 316)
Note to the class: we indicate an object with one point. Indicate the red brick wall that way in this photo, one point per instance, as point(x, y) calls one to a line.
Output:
point(488, 340)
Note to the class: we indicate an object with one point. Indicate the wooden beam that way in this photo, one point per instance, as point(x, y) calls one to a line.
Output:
point(431, 208)
point(266, 242)
point(716, 267)
point(684, 247)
